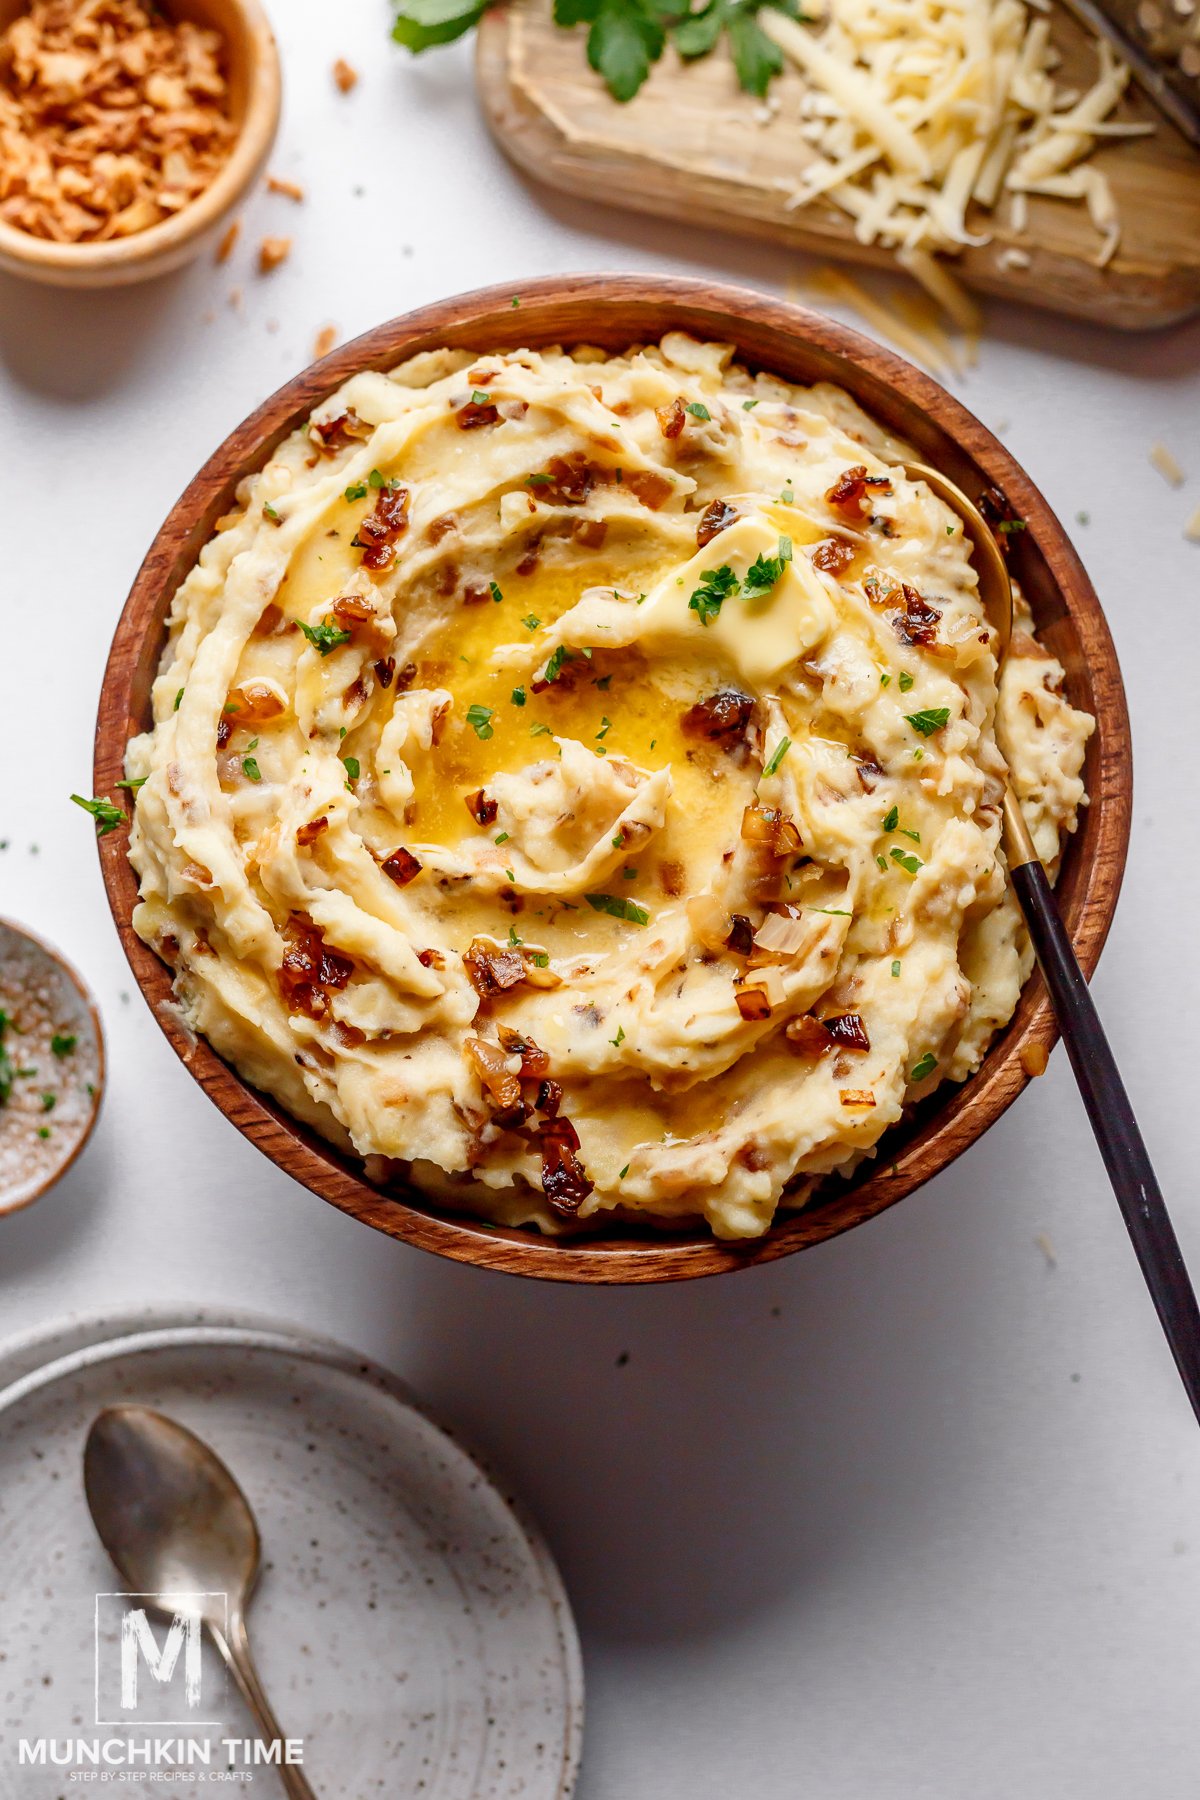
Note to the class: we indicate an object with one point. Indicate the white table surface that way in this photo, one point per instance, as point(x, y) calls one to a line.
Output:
point(914, 1515)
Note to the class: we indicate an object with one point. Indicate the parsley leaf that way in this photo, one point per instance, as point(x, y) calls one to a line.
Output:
point(539, 730)
point(557, 658)
point(765, 571)
point(479, 718)
point(623, 41)
point(63, 1043)
point(756, 57)
point(353, 767)
point(619, 907)
point(423, 23)
point(178, 698)
point(892, 819)
point(911, 864)
point(530, 622)
point(926, 1066)
point(494, 591)
point(108, 816)
point(518, 696)
point(324, 637)
point(906, 681)
point(250, 768)
point(697, 410)
point(133, 786)
point(356, 491)
point(617, 1041)
point(934, 718)
point(896, 970)
point(716, 586)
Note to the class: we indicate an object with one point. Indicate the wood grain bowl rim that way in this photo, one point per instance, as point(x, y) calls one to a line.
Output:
point(617, 310)
point(254, 65)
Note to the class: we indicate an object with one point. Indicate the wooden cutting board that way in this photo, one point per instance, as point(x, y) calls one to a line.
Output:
point(691, 146)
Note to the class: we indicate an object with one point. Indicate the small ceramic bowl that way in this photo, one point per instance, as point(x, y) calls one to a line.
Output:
point(616, 311)
point(252, 69)
point(54, 1045)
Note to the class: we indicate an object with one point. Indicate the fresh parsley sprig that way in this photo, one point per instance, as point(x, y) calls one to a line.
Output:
point(625, 38)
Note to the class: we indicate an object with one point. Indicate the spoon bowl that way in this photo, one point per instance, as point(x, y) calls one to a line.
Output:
point(175, 1522)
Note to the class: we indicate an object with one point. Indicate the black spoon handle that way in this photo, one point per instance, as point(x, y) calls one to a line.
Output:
point(1134, 1183)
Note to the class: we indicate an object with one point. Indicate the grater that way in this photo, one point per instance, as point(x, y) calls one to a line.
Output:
point(1160, 40)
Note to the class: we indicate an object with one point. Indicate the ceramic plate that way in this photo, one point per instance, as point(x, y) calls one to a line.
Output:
point(409, 1624)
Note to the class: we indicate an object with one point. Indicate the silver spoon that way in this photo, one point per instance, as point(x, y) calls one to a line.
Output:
point(174, 1520)
point(1108, 1107)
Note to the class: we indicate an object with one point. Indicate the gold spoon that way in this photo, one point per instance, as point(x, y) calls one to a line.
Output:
point(1117, 1134)
point(175, 1521)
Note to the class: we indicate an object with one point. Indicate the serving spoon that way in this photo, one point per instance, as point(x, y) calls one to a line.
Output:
point(175, 1521)
point(1125, 1157)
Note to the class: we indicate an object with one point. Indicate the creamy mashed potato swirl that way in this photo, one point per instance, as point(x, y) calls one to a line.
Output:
point(574, 785)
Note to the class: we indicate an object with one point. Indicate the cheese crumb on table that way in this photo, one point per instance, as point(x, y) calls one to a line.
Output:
point(344, 76)
point(273, 251)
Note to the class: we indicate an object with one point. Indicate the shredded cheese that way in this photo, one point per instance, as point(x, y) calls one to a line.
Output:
point(1165, 462)
point(1191, 530)
point(923, 117)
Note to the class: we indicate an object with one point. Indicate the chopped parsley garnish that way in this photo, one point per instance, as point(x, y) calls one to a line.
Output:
point(541, 959)
point(882, 862)
point(356, 491)
point(63, 1043)
point(178, 698)
point(530, 623)
point(502, 837)
point(518, 696)
point(251, 770)
point(48, 1101)
point(605, 726)
point(7, 1072)
point(926, 1066)
point(885, 681)
point(352, 767)
point(376, 479)
point(479, 398)
point(914, 835)
point(619, 1039)
point(835, 912)
point(133, 786)
point(539, 730)
point(618, 907)
point(906, 681)
point(494, 591)
point(539, 480)
point(765, 571)
point(324, 637)
point(896, 970)
point(43, 1131)
point(787, 497)
point(510, 874)
point(623, 1173)
point(516, 300)
point(513, 939)
point(270, 513)
point(107, 814)
point(697, 410)
point(1007, 525)
point(716, 586)
point(554, 665)
point(604, 682)
point(618, 843)
point(892, 819)
point(749, 405)
point(910, 864)
point(934, 718)
point(479, 718)
point(777, 755)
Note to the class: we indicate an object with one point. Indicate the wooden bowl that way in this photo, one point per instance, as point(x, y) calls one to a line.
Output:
point(802, 346)
point(252, 69)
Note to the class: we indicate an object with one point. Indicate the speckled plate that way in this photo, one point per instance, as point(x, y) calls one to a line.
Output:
point(409, 1622)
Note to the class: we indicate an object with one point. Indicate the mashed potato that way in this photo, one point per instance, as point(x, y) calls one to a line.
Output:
point(574, 785)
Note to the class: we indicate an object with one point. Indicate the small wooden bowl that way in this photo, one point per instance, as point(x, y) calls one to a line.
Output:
point(252, 69)
point(616, 311)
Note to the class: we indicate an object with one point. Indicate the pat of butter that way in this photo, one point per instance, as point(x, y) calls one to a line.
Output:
point(760, 637)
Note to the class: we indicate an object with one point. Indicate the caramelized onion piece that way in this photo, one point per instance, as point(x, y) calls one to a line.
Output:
point(377, 533)
point(919, 621)
point(808, 1037)
point(709, 920)
point(310, 971)
point(331, 435)
point(752, 1003)
point(309, 832)
point(401, 867)
point(492, 970)
point(848, 1030)
point(853, 493)
point(723, 718)
point(482, 807)
point(352, 609)
point(534, 1061)
point(564, 1182)
point(741, 936)
point(767, 829)
point(856, 1097)
point(491, 1065)
point(476, 413)
point(672, 418)
point(651, 488)
point(717, 516)
point(256, 700)
point(834, 555)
